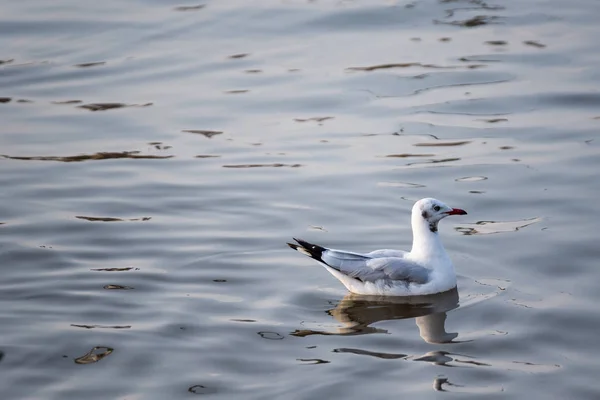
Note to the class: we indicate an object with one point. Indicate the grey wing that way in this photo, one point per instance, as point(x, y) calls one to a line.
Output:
point(387, 253)
point(368, 269)
point(393, 269)
point(345, 261)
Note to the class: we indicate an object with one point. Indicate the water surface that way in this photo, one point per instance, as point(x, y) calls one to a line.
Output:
point(155, 157)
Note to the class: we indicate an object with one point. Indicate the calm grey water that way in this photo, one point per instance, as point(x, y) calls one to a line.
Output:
point(157, 155)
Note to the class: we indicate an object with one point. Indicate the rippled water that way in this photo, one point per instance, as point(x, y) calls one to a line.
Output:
point(157, 155)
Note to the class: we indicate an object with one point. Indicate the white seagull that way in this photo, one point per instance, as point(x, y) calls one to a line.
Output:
point(426, 269)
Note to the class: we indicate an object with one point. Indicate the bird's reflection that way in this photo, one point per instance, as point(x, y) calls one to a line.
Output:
point(358, 313)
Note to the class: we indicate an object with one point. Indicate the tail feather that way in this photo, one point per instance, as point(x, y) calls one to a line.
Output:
point(312, 250)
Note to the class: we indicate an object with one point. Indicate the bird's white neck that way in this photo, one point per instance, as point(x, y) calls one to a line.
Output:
point(427, 246)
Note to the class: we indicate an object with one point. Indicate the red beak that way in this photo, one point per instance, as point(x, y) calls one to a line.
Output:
point(457, 211)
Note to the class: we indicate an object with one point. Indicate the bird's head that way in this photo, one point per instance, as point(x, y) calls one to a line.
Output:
point(433, 210)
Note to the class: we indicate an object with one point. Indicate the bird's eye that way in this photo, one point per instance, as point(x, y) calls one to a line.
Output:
point(436, 208)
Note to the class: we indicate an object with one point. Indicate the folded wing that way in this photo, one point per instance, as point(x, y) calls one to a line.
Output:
point(399, 269)
point(366, 267)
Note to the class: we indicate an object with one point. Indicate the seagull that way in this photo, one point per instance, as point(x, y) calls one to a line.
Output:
point(426, 269)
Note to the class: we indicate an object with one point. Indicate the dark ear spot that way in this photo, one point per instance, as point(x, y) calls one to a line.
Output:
point(425, 215)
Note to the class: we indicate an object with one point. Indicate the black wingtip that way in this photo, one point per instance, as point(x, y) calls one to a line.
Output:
point(307, 245)
point(313, 250)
